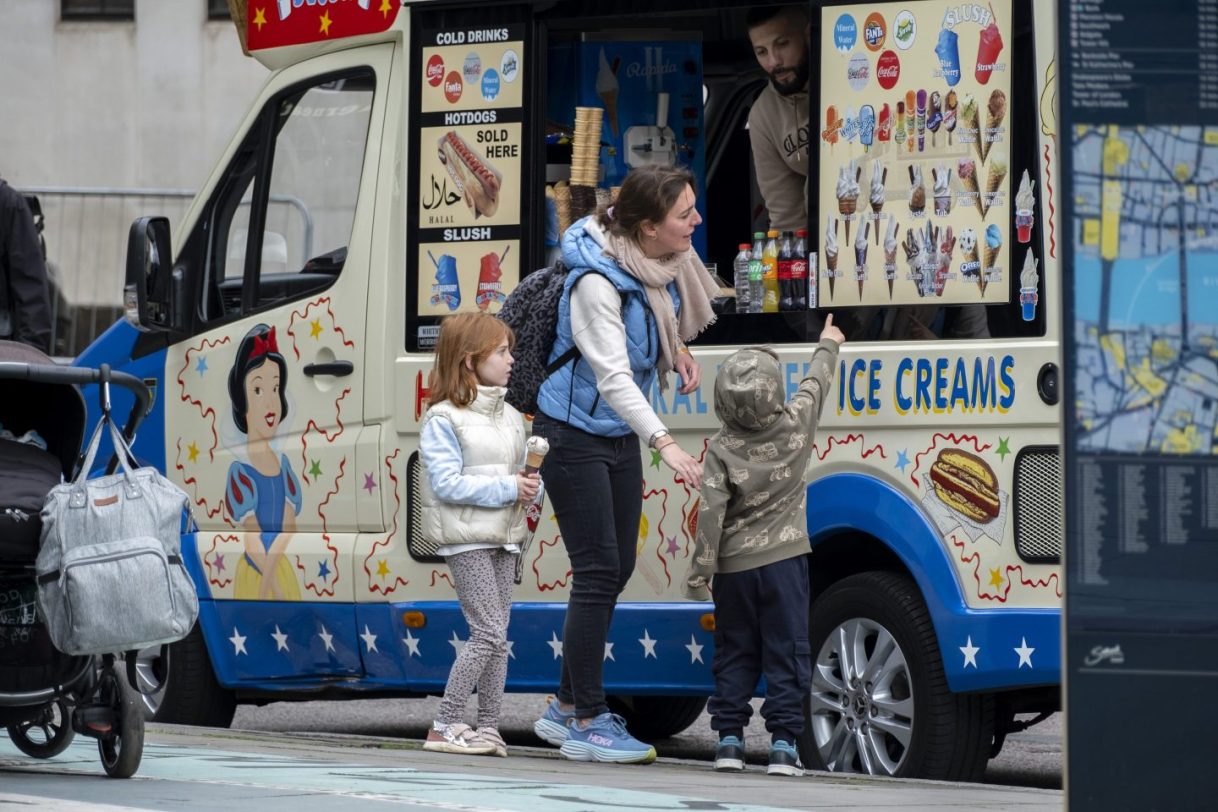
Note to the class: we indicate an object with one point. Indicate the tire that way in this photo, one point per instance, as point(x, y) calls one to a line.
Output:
point(192, 696)
point(917, 728)
point(123, 747)
point(46, 735)
point(657, 717)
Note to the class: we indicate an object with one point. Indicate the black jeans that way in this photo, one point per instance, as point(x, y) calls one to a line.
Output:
point(761, 627)
point(595, 485)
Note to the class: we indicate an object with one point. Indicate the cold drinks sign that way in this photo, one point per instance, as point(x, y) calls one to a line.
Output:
point(469, 169)
point(914, 155)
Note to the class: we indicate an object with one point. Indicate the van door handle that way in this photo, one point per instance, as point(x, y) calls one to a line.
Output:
point(338, 369)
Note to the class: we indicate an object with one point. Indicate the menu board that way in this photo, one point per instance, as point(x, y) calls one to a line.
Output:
point(915, 198)
point(469, 138)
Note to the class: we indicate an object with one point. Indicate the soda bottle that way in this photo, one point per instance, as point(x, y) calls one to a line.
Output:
point(786, 296)
point(769, 258)
point(740, 274)
point(757, 273)
point(799, 270)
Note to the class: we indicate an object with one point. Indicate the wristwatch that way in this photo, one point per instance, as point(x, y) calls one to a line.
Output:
point(655, 438)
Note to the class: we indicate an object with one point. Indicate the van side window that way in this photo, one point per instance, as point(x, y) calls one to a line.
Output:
point(288, 199)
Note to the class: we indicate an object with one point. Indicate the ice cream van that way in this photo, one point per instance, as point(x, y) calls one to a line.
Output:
point(408, 160)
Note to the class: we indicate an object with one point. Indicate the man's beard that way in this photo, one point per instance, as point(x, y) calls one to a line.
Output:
point(798, 81)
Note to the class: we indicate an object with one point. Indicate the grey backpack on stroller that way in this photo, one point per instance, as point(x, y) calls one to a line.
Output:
point(110, 572)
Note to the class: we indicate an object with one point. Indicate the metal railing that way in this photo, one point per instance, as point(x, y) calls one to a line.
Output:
point(85, 230)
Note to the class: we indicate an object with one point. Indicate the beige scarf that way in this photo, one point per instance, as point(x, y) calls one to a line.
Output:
point(694, 284)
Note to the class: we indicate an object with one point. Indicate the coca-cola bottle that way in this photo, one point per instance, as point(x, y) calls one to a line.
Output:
point(786, 298)
point(799, 270)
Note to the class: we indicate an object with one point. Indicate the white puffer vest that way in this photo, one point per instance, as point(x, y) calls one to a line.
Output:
point(491, 434)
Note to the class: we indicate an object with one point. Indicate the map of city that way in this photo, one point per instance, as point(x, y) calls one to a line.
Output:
point(1145, 282)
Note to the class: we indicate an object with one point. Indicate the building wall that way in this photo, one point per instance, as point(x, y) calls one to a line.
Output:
point(148, 104)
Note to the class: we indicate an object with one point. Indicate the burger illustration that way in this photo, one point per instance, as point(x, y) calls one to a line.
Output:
point(966, 484)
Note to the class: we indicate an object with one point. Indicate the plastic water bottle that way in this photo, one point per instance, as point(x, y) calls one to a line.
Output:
point(757, 273)
point(740, 273)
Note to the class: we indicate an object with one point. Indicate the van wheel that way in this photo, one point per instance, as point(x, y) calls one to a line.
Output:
point(191, 695)
point(879, 701)
point(657, 717)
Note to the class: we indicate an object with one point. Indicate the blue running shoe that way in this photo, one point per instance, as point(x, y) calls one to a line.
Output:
point(784, 760)
point(605, 739)
point(552, 726)
point(729, 754)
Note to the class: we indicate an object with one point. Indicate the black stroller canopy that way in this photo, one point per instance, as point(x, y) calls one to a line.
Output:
point(55, 411)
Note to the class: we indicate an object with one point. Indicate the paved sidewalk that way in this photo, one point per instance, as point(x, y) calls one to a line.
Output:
point(194, 769)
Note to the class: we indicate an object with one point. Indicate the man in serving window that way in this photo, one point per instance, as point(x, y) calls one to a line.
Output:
point(778, 123)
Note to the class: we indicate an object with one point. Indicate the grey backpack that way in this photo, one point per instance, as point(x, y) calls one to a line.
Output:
point(110, 572)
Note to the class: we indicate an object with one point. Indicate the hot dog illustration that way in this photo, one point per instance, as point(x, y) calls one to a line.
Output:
point(476, 179)
point(966, 484)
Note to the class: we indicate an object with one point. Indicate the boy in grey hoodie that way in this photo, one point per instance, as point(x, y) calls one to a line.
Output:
point(753, 539)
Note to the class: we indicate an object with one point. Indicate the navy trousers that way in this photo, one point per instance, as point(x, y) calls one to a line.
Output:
point(761, 629)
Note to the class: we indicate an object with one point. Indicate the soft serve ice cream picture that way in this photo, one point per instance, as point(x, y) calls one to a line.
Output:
point(939, 103)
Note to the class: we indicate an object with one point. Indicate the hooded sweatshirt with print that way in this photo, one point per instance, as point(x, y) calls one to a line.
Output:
point(778, 132)
point(754, 497)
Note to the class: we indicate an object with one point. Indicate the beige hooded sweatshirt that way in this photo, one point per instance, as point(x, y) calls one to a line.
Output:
point(779, 131)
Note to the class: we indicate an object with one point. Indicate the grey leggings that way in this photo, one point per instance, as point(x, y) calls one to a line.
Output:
point(484, 587)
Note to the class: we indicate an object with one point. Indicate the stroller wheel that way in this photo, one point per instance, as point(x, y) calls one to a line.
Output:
point(46, 735)
point(122, 748)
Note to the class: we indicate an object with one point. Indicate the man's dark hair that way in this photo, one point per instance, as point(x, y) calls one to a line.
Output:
point(759, 15)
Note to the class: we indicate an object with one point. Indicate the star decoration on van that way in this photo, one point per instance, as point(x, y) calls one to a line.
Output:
point(412, 645)
point(382, 568)
point(192, 452)
point(218, 561)
point(970, 652)
point(201, 365)
point(260, 18)
point(385, 8)
point(457, 643)
point(608, 652)
point(649, 645)
point(1003, 448)
point(555, 645)
point(672, 546)
point(315, 468)
point(369, 483)
point(323, 570)
point(996, 577)
point(238, 642)
point(325, 23)
point(695, 651)
point(327, 639)
point(1025, 652)
point(655, 459)
point(281, 639)
point(315, 328)
point(902, 460)
point(369, 639)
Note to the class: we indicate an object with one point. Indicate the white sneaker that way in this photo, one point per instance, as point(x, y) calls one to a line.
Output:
point(457, 738)
point(491, 736)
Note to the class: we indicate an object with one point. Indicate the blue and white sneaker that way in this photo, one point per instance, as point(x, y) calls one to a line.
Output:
point(605, 739)
point(729, 754)
point(552, 726)
point(784, 760)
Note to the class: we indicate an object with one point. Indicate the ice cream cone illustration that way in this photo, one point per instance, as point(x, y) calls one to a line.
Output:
point(847, 192)
point(1028, 280)
point(890, 254)
point(970, 124)
point(993, 250)
point(993, 180)
point(946, 243)
point(831, 251)
point(607, 88)
point(942, 176)
point(995, 112)
point(949, 114)
point(966, 171)
point(860, 256)
point(970, 268)
point(879, 176)
point(917, 190)
point(1024, 202)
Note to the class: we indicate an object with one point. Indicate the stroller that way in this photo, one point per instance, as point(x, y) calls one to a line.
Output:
point(46, 696)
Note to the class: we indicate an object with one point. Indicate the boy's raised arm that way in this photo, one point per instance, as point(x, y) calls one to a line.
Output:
point(715, 492)
point(809, 400)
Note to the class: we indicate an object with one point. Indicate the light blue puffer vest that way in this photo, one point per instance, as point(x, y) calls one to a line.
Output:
point(570, 394)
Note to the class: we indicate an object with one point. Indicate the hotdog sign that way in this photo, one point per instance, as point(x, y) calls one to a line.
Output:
point(469, 169)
